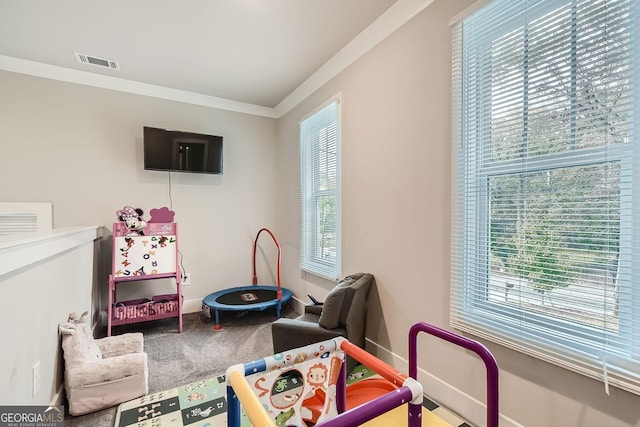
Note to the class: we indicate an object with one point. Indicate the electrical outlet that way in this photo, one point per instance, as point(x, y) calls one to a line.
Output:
point(37, 379)
point(186, 279)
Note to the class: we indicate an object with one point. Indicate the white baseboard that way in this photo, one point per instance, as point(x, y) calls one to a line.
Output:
point(191, 306)
point(455, 400)
point(58, 397)
point(298, 306)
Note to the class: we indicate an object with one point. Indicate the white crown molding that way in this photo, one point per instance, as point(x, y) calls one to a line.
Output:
point(54, 72)
point(397, 15)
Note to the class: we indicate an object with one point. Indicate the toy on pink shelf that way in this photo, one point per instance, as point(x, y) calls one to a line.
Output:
point(132, 219)
point(162, 215)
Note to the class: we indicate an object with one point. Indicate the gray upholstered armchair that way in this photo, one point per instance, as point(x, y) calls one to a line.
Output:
point(343, 313)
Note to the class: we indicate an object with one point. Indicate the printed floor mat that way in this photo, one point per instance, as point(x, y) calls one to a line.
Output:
point(199, 404)
point(203, 404)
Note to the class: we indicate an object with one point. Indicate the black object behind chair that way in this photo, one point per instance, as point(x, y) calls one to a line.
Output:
point(343, 313)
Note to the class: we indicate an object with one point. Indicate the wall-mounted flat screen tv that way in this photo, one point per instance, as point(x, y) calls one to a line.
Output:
point(171, 150)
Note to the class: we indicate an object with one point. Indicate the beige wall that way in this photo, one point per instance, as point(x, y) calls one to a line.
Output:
point(80, 148)
point(396, 165)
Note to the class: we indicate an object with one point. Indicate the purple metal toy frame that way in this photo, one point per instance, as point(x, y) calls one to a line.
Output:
point(486, 356)
point(392, 399)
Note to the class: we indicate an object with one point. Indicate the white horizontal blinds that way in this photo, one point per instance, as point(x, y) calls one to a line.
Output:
point(546, 231)
point(319, 137)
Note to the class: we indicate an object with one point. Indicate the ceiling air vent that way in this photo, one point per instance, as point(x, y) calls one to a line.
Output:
point(94, 60)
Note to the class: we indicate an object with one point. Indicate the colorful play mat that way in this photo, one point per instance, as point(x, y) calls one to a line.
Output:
point(203, 404)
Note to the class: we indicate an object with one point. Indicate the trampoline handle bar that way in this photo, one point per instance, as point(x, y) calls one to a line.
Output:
point(255, 248)
point(486, 356)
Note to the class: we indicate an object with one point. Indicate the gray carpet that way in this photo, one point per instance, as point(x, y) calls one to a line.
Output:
point(199, 352)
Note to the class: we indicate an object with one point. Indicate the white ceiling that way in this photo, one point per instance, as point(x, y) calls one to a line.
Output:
point(252, 55)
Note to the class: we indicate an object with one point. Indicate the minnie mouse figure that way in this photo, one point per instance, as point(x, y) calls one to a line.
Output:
point(132, 219)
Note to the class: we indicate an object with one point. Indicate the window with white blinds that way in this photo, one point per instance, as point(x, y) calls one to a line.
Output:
point(545, 245)
point(319, 191)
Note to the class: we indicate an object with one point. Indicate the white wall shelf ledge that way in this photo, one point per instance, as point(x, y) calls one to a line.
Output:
point(21, 250)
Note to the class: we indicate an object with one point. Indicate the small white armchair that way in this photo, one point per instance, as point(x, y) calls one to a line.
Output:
point(100, 373)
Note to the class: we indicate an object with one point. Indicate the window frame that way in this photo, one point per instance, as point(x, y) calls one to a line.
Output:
point(469, 311)
point(310, 196)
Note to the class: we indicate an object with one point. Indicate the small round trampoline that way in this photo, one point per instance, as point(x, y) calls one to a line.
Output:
point(251, 297)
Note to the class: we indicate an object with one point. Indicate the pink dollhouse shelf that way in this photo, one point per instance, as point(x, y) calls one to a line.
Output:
point(137, 257)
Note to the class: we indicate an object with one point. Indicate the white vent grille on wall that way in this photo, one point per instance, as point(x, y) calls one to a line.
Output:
point(18, 223)
point(18, 218)
point(99, 62)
